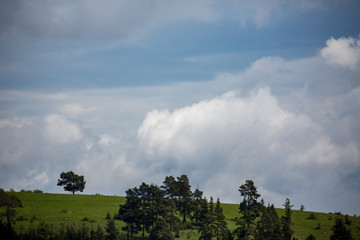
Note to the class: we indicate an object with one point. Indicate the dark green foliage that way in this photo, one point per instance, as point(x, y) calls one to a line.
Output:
point(269, 225)
point(249, 192)
point(147, 210)
point(169, 214)
point(318, 226)
point(196, 207)
point(205, 220)
point(9, 201)
point(212, 222)
point(312, 216)
point(250, 210)
point(286, 230)
point(130, 212)
point(112, 232)
point(170, 187)
point(347, 220)
point(185, 195)
point(83, 232)
point(161, 230)
point(6, 231)
point(71, 182)
point(310, 237)
point(98, 234)
point(339, 230)
point(45, 231)
point(221, 231)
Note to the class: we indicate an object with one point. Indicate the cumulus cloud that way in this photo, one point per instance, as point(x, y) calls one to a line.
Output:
point(209, 122)
point(343, 52)
point(61, 130)
point(224, 141)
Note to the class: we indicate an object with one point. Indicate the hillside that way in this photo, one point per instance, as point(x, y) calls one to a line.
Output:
point(57, 209)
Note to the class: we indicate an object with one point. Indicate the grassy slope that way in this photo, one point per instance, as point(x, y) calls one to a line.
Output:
point(58, 209)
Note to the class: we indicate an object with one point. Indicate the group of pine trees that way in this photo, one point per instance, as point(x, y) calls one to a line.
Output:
point(268, 226)
point(163, 211)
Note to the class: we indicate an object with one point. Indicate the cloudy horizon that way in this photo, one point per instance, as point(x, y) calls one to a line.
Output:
point(129, 92)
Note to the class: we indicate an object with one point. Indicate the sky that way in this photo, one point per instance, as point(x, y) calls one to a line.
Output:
point(130, 91)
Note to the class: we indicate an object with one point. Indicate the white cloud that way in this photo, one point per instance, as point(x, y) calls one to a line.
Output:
point(344, 52)
point(61, 130)
point(107, 139)
point(222, 119)
point(73, 110)
point(283, 140)
point(14, 123)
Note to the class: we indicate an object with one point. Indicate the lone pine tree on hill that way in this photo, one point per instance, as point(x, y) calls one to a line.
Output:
point(71, 182)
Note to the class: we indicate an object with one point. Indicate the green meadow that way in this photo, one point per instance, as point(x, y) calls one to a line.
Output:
point(66, 209)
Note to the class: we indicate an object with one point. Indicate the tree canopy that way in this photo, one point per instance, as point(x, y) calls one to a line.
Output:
point(71, 182)
point(9, 202)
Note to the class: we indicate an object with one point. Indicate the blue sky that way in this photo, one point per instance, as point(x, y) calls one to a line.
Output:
point(223, 91)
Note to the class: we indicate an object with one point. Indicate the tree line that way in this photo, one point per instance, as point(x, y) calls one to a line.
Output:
point(161, 212)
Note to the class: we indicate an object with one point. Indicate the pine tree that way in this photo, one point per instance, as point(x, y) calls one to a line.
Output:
point(339, 231)
point(71, 182)
point(204, 228)
point(197, 197)
point(98, 234)
point(269, 225)
point(286, 230)
point(170, 215)
point(249, 208)
point(111, 230)
point(160, 230)
point(130, 212)
point(221, 230)
point(211, 219)
point(185, 195)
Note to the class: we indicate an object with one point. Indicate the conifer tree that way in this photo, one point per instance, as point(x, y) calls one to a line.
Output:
point(269, 225)
point(339, 231)
point(111, 230)
point(130, 212)
point(170, 187)
point(286, 230)
point(249, 208)
point(197, 197)
point(211, 219)
point(221, 230)
point(97, 235)
point(204, 228)
point(185, 195)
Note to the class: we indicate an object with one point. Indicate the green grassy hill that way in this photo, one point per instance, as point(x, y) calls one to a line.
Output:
point(57, 209)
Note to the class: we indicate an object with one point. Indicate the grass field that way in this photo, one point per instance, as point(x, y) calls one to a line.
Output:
point(57, 209)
